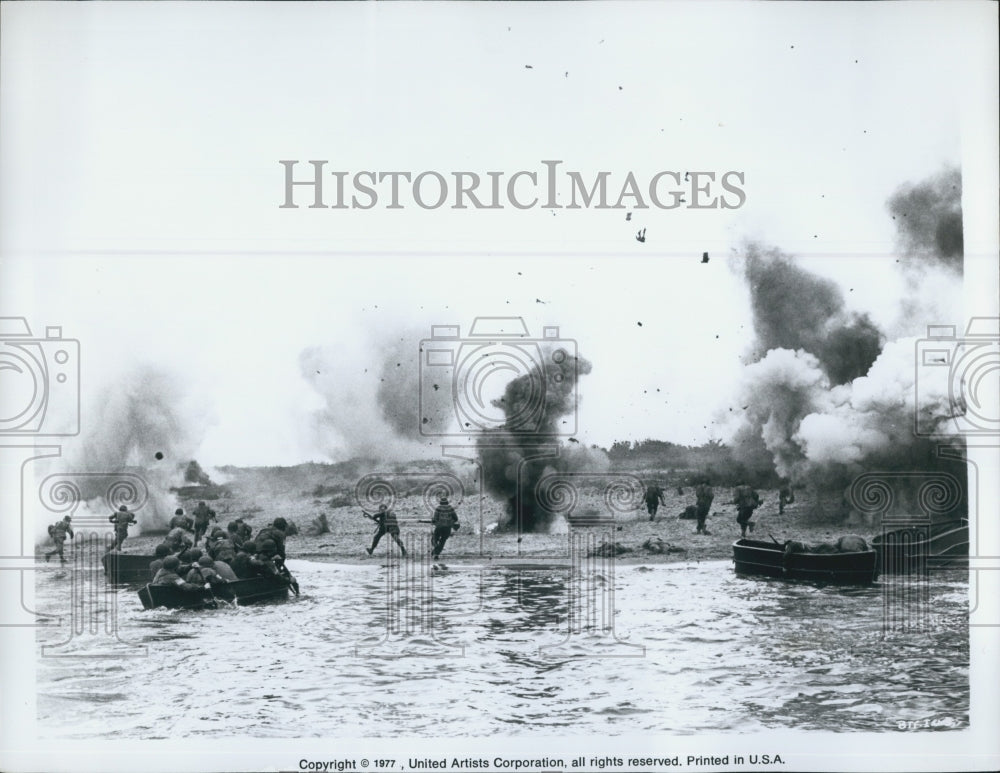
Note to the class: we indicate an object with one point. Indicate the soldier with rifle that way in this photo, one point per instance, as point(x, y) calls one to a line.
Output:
point(386, 521)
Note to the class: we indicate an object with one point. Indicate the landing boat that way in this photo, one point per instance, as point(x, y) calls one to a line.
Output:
point(916, 548)
point(126, 567)
point(242, 592)
point(768, 559)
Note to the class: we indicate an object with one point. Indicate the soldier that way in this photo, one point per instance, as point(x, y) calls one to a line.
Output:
point(222, 547)
point(204, 571)
point(703, 502)
point(387, 524)
point(654, 498)
point(243, 529)
point(202, 515)
point(162, 551)
point(168, 576)
point(275, 532)
point(178, 540)
point(785, 497)
point(263, 563)
point(444, 520)
point(181, 521)
point(121, 520)
point(58, 532)
point(746, 500)
point(243, 563)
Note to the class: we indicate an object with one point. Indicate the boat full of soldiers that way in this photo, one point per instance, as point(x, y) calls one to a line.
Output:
point(234, 566)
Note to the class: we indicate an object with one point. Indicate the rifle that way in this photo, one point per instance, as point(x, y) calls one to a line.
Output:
point(376, 519)
point(283, 571)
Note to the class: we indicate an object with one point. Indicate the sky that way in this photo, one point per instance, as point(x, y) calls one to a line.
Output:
point(141, 189)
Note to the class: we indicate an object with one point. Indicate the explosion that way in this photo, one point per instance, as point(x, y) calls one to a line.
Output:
point(140, 424)
point(351, 423)
point(826, 398)
point(514, 458)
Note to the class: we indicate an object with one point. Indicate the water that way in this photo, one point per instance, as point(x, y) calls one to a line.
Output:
point(698, 649)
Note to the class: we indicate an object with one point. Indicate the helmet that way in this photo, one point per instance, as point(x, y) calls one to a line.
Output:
point(171, 563)
point(123, 509)
point(267, 546)
point(179, 511)
point(205, 561)
point(280, 523)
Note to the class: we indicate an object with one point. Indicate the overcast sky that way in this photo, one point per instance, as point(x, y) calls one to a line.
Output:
point(141, 185)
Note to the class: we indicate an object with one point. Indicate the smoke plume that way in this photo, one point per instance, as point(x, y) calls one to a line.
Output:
point(825, 398)
point(370, 400)
point(142, 423)
point(928, 218)
point(513, 457)
point(795, 309)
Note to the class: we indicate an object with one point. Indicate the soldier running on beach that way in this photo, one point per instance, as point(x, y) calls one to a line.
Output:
point(654, 498)
point(202, 515)
point(121, 520)
point(58, 532)
point(181, 521)
point(785, 497)
point(444, 520)
point(387, 524)
point(703, 502)
point(746, 500)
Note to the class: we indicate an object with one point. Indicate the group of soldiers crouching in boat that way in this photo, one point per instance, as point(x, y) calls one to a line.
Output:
point(230, 554)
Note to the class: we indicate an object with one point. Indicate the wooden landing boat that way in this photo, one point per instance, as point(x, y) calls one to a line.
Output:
point(913, 549)
point(242, 592)
point(126, 567)
point(754, 557)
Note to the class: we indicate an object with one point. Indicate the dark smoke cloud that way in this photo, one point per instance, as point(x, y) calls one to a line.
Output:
point(795, 309)
point(507, 451)
point(825, 399)
point(928, 217)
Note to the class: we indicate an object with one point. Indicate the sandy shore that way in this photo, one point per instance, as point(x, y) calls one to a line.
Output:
point(475, 541)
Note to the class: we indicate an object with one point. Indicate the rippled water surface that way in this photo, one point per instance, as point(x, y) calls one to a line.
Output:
point(697, 649)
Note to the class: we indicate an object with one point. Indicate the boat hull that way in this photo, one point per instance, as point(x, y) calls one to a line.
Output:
point(767, 559)
point(126, 567)
point(243, 592)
